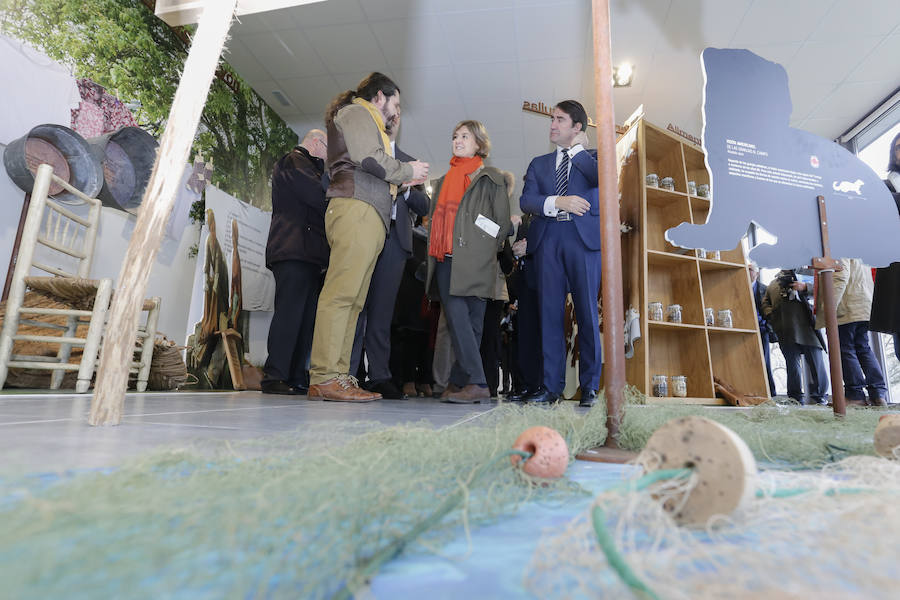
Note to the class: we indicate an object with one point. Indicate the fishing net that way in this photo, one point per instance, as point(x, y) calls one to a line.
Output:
point(787, 435)
point(302, 515)
point(315, 512)
point(832, 533)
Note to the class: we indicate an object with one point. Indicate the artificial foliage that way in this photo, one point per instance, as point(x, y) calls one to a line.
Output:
point(124, 47)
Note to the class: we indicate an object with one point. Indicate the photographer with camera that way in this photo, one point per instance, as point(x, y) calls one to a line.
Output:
point(787, 309)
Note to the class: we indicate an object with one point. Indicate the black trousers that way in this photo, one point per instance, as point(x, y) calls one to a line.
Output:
point(297, 287)
point(490, 344)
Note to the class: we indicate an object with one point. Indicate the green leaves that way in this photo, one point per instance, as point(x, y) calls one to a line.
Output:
point(121, 45)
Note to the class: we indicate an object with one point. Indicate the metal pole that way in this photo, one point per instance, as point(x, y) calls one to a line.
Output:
point(610, 244)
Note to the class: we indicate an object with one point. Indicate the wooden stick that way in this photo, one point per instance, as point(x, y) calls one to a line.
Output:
point(610, 242)
point(826, 278)
point(15, 250)
point(159, 198)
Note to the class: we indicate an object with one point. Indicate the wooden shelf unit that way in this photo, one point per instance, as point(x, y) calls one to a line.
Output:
point(656, 271)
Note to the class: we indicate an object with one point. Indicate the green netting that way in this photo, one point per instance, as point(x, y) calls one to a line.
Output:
point(294, 516)
point(301, 515)
point(780, 434)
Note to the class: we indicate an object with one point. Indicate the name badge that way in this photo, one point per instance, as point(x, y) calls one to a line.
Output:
point(487, 226)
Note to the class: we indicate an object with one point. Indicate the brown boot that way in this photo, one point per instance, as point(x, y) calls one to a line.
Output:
point(471, 394)
point(877, 402)
point(340, 389)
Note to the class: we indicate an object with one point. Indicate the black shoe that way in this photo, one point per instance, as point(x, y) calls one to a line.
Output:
point(541, 396)
point(588, 398)
point(280, 387)
point(518, 396)
point(386, 388)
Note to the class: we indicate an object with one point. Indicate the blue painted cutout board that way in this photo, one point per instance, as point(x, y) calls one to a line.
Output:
point(765, 171)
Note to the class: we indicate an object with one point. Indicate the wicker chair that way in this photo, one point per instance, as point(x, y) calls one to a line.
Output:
point(59, 242)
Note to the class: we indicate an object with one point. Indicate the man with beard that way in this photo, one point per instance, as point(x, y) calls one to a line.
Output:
point(364, 178)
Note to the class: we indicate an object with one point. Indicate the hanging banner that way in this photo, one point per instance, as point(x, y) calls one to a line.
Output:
point(258, 284)
point(767, 172)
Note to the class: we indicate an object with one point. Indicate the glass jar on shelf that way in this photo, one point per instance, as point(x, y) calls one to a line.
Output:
point(710, 316)
point(724, 318)
point(655, 311)
point(660, 386)
point(679, 386)
point(673, 313)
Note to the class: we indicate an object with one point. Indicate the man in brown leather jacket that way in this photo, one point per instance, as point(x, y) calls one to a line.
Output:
point(364, 178)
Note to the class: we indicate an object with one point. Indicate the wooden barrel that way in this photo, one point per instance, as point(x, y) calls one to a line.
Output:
point(127, 155)
point(62, 148)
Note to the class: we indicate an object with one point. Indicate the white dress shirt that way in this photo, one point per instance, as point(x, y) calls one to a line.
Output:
point(550, 208)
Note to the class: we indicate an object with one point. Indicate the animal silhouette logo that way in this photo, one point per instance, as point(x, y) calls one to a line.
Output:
point(846, 186)
point(764, 171)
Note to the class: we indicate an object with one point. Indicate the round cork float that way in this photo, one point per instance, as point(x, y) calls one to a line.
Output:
point(723, 465)
point(887, 435)
point(550, 452)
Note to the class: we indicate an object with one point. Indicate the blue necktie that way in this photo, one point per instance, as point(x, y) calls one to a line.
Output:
point(562, 174)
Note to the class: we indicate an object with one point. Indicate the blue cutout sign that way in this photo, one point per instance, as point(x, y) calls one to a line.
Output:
point(765, 171)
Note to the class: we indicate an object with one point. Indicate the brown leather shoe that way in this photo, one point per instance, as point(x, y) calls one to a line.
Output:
point(451, 388)
point(340, 389)
point(877, 401)
point(471, 394)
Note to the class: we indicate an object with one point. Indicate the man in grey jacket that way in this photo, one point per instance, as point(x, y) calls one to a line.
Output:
point(364, 178)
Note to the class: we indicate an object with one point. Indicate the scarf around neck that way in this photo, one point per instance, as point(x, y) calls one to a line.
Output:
point(379, 122)
point(456, 181)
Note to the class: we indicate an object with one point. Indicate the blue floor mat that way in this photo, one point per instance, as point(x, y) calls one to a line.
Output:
point(493, 563)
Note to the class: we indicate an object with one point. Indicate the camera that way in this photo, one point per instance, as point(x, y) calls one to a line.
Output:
point(785, 279)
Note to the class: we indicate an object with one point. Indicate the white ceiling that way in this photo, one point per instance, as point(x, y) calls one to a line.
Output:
point(479, 59)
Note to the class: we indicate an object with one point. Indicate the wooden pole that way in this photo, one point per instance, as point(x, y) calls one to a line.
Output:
point(15, 249)
point(825, 268)
point(159, 198)
point(610, 241)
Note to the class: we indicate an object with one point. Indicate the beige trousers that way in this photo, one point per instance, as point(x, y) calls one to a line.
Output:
point(355, 233)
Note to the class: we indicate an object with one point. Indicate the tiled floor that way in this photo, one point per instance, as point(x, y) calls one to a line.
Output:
point(44, 432)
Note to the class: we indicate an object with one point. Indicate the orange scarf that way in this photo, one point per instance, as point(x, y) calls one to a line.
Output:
point(454, 186)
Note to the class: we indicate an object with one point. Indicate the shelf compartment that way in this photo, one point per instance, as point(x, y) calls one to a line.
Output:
point(664, 211)
point(695, 165)
point(664, 157)
point(680, 351)
point(668, 400)
point(737, 360)
point(675, 282)
point(729, 288)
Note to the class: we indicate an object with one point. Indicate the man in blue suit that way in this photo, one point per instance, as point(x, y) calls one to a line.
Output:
point(561, 191)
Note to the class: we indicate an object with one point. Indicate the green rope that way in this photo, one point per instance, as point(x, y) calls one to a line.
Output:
point(616, 560)
point(606, 542)
point(395, 548)
point(790, 492)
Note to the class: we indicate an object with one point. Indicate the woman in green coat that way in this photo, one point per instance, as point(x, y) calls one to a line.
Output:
point(469, 222)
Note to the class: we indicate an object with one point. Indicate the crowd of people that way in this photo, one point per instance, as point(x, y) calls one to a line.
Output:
point(384, 291)
point(864, 303)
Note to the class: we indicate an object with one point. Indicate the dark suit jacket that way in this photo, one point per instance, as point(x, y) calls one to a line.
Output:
point(297, 231)
point(418, 203)
point(540, 182)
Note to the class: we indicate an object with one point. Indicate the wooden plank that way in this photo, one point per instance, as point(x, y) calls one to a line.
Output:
point(159, 198)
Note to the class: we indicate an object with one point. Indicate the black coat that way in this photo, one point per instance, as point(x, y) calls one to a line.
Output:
point(886, 298)
point(297, 231)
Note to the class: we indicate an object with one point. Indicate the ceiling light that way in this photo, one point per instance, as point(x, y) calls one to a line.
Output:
point(279, 95)
point(622, 75)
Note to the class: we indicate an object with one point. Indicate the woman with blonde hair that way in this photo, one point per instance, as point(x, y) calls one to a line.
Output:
point(469, 223)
